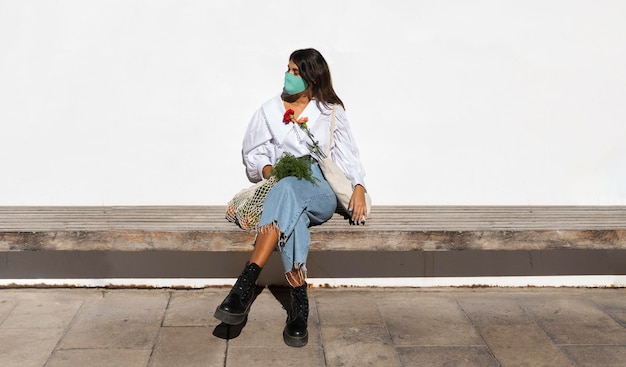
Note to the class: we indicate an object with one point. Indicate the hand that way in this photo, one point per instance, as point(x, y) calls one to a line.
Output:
point(358, 206)
point(267, 171)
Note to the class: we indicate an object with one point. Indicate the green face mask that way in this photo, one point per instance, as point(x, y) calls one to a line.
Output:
point(294, 84)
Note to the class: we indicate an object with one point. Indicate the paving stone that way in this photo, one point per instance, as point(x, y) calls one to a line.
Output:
point(612, 301)
point(41, 308)
point(575, 320)
point(522, 345)
point(189, 347)
point(27, 347)
point(478, 356)
point(425, 319)
point(193, 308)
point(359, 345)
point(6, 306)
point(100, 358)
point(493, 309)
point(246, 356)
point(42, 313)
point(129, 319)
point(348, 307)
point(597, 355)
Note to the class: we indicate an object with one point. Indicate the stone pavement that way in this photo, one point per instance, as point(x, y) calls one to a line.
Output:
point(348, 327)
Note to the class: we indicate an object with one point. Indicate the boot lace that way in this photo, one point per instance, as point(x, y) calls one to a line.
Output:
point(244, 284)
point(299, 302)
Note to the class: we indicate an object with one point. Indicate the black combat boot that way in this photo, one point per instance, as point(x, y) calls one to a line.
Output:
point(236, 305)
point(295, 333)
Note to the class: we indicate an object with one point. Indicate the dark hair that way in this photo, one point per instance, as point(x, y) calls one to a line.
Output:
point(315, 72)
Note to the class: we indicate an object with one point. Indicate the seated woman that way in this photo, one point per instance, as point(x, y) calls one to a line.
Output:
point(293, 205)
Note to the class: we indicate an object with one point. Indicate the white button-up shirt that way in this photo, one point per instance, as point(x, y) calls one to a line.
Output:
point(267, 138)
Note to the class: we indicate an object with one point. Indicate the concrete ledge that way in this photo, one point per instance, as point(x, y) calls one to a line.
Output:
point(390, 228)
point(407, 241)
point(321, 240)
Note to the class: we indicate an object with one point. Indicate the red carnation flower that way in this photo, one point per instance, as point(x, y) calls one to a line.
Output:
point(288, 116)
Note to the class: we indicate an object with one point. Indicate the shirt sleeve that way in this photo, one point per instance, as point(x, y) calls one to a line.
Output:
point(258, 150)
point(345, 151)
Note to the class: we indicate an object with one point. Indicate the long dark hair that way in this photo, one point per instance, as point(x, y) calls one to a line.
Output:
point(315, 72)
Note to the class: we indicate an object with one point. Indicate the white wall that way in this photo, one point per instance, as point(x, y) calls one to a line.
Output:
point(452, 102)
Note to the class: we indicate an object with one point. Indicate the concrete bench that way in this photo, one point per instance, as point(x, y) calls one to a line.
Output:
point(406, 242)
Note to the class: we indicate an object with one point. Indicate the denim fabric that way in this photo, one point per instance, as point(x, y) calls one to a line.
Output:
point(294, 205)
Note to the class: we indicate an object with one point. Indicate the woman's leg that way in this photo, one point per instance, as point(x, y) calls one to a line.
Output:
point(235, 307)
point(294, 254)
point(319, 206)
point(300, 204)
point(264, 245)
point(290, 207)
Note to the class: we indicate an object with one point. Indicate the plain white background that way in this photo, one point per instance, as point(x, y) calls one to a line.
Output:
point(451, 102)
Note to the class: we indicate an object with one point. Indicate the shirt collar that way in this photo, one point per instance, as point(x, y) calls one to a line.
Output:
point(274, 111)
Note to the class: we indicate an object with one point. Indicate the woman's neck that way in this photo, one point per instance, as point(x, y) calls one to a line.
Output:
point(300, 102)
point(296, 104)
point(297, 100)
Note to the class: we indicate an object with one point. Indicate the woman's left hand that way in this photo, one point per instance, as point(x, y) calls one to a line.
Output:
point(358, 206)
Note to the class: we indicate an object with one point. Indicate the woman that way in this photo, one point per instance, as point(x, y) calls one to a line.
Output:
point(293, 205)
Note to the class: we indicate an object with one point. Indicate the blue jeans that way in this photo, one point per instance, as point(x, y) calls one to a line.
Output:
point(293, 206)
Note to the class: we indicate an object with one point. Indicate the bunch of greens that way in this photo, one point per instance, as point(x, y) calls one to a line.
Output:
point(289, 165)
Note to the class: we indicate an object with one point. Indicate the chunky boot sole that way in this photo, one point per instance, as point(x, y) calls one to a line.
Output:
point(231, 318)
point(294, 341)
